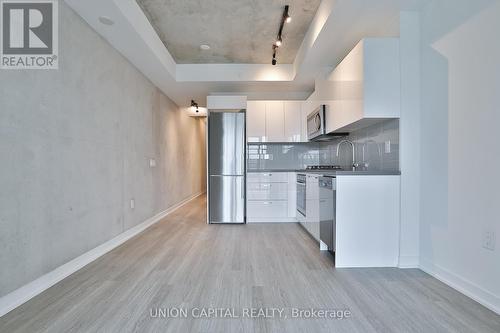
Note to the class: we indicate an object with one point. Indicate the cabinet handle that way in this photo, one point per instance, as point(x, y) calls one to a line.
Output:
point(267, 202)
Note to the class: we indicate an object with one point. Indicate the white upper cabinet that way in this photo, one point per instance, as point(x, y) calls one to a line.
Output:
point(364, 88)
point(275, 121)
point(308, 106)
point(293, 121)
point(256, 121)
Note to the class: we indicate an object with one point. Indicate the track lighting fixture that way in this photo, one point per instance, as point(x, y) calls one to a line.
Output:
point(286, 16)
point(274, 55)
point(194, 106)
point(279, 39)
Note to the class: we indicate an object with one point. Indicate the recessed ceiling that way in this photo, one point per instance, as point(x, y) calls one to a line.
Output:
point(337, 27)
point(237, 31)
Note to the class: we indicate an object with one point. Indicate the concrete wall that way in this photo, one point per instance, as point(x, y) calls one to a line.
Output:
point(75, 146)
point(460, 154)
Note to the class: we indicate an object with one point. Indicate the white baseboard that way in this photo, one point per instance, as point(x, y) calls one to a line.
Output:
point(408, 262)
point(462, 285)
point(19, 296)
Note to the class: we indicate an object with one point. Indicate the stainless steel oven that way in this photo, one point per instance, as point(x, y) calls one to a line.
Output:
point(301, 194)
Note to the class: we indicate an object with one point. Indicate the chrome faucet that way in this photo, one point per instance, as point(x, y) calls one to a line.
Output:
point(354, 164)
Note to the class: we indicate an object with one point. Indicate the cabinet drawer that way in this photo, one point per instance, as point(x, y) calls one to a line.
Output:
point(263, 209)
point(267, 191)
point(267, 177)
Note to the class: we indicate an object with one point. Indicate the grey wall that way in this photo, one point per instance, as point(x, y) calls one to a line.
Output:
point(75, 146)
point(299, 155)
point(460, 183)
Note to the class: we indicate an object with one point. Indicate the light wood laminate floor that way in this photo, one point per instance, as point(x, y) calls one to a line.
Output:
point(183, 262)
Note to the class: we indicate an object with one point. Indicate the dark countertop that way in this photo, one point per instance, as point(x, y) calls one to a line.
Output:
point(335, 173)
point(368, 173)
point(272, 170)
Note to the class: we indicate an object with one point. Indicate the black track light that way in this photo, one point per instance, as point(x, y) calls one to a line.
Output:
point(194, 106)
point(286, 17)
point(279, 38)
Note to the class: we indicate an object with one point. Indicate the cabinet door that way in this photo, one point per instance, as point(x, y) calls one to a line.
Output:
point(312, 205)
point(312, 187)
point(267, 177)
point(266, 209)
point(269, 191)
point(303, 117)
point(382, 78)
point(275, 121)
point(292, 194)
point(315, 230)
point(256, 121)
point(293, 124)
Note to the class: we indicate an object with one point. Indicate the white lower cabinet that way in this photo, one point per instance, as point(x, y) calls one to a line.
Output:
point(271, 197)
point(267, 191)
point(312, 205)
point(267, 177)
point(292, 195)
point(267, 209)
point(367, 221)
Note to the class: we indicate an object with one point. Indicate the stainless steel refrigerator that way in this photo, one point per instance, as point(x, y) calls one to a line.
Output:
point(226, 167)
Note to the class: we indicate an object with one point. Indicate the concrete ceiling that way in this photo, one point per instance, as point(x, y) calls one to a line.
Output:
point(237, 31)
point(336, 28)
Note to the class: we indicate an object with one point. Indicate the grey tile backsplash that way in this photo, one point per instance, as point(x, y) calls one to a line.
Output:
point(277, 156)
point(377, 146)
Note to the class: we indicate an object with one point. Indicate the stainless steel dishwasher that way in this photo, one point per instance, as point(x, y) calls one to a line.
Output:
point(327, 209)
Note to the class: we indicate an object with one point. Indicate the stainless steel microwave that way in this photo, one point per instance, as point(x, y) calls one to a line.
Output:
point(316, 126)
